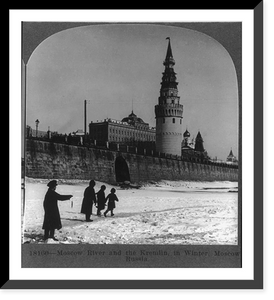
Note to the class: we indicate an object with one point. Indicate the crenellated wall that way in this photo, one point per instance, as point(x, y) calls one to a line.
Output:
point(52, 160)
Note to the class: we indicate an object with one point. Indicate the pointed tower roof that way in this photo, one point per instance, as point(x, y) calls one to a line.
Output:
point(199, 136)
point(199, 143)
point(231, 154)
point(169, 57)
point(169, 76)
point(169, 51)
point(231, 158)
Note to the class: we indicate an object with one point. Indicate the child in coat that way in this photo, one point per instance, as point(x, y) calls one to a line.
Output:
point(101, 200)
point(111, 198)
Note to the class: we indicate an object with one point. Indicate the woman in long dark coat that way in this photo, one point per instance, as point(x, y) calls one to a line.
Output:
point(88, 200)
point(52, 219)
point(101, 200)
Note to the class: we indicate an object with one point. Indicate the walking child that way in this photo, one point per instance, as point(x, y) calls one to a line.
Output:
point(101, 200)
point(111, 198)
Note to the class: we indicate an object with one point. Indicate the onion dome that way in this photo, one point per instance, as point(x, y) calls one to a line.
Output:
point(186, 134)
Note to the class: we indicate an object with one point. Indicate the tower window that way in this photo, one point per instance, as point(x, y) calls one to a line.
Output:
point(180, 121)
point(173, 120)
point(163, 120)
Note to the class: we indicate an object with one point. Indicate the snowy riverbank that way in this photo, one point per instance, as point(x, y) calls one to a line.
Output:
point(166, 212)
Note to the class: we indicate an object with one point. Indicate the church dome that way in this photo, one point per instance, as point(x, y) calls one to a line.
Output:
point(132, 119)
point(186, 134)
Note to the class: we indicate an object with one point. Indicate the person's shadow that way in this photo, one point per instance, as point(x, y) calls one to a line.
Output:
point(78, 220)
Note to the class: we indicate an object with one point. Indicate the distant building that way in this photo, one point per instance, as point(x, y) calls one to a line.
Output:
point(129, 130)
point(191, 149)
point(187, 144)
point(78, 132)
point(231, 159)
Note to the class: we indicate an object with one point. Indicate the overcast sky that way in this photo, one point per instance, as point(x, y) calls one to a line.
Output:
point(115, 65)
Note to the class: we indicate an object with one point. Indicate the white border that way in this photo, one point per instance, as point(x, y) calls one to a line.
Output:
point(245, 16)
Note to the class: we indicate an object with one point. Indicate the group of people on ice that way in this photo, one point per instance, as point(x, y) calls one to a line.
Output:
point(100, 202)
point(52, 218)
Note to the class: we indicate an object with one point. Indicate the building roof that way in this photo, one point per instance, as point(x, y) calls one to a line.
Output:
point(169, 57)
point(231, 154)
point(187, 147)
point(132, 119)
point(169, 51)
point(79, 132)
point(199, 136)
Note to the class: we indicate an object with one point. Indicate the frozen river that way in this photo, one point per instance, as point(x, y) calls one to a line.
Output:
point(186, 213)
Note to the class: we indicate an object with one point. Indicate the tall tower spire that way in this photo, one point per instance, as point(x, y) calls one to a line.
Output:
point(169, 111)
point(169, 51)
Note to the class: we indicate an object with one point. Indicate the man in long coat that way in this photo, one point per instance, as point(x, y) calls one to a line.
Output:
point(52, 219)
point(88, 200)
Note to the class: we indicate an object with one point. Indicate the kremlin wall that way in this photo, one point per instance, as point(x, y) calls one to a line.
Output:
point(60, 161)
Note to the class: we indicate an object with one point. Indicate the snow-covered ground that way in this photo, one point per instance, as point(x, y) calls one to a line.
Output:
point(166, 212)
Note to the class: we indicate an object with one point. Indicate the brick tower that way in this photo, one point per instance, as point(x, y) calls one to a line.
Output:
point(169, 111)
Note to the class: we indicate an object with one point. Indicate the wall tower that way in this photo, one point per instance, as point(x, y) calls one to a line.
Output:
point(199, 143)
point(169, 111)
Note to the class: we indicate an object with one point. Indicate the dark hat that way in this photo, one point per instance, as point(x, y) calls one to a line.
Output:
point(92, 183)
point(52, 183)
